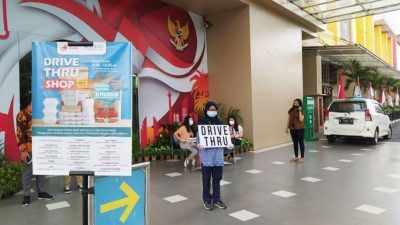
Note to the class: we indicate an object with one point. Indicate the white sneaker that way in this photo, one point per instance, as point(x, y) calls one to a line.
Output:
point(193, 162)
point(185, 163)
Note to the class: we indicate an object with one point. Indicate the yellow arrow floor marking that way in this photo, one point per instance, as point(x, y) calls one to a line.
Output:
point(130, 201)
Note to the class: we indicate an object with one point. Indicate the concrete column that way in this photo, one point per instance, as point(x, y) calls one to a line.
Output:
point(384, 46)
point(370, 33)
point(276, 73)
point(361, 31)
point(389, 46)
point(312, 74)
point(228, 46)
point(378, 41)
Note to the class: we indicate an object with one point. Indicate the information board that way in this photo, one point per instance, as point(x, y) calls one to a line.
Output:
point(81, 108)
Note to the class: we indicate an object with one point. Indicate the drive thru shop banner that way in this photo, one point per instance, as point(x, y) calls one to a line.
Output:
point(81, 108)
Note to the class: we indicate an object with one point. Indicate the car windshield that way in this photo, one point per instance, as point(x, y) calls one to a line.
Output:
point(353, 106)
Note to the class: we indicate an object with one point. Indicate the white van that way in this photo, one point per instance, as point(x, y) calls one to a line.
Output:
point(356, 117)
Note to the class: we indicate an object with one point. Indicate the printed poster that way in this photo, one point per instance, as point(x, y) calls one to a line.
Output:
point(81, 108)
point(214, 136)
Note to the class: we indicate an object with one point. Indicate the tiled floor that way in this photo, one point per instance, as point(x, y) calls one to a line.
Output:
point(347, 183)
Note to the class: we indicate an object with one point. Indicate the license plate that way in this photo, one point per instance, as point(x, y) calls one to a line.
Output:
point(346, 121)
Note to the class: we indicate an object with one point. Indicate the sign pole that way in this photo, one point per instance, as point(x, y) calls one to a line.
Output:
point(85, 200)
point(86, 191)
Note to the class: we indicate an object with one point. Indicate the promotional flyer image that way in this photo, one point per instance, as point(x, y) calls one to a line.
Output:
point(81, 102)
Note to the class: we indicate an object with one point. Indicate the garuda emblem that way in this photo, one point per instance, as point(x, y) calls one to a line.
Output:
point(179, 34)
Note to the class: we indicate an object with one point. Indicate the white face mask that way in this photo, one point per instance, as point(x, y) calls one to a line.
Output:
point(212, 113)
point(231, 122)
point(191, 122)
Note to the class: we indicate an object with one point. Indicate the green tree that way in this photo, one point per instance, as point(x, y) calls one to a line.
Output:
point(354, 70)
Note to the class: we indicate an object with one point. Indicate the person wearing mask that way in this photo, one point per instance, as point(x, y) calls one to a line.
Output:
point(212, 162)
point(236, 132)
point(24, 141)
point(296, 127)
point(183, 135)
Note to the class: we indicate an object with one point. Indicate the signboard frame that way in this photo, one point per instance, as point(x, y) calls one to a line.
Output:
point(145, 166)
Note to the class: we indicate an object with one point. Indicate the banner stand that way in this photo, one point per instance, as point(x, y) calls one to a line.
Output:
point(86, 191)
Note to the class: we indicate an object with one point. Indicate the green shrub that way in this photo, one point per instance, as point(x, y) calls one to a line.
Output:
point(246, 144)
point(10, 177)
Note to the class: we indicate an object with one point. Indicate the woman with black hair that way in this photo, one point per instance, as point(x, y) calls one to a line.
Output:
point(236, 130)
point(183, 135)
point(212, 162)
point(296, 126)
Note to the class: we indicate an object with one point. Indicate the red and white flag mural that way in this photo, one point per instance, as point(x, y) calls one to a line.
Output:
point(382, 98)
point(169, 53)
point(341, 92)
point(370, 92)
point(390, 98)
point(357, 89)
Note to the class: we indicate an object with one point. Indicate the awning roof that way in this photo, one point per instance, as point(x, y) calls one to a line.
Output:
point(342, 54)
point(328, 11)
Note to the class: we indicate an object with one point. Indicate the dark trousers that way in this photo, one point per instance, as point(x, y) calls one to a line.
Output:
point(27, 176)
point(298, 139)
point(215, 173)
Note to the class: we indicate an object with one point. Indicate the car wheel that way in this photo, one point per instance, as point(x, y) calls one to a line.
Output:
point(375, 139)
point(331, 139)
point(389, 135)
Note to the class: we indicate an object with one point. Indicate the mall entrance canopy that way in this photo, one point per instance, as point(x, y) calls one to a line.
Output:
point(342, 54)
point(328, 11)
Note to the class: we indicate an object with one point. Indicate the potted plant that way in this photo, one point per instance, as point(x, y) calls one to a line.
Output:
point(161, 153)
point(154, 153)
point(134, 157)
point(146, 152)
point(246, 144)
point(10, 177)
point(139, 156)
point(168, 156)
point(146, 155)
point(164, 151)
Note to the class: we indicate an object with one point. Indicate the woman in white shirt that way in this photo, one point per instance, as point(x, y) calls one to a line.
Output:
point(236, 132)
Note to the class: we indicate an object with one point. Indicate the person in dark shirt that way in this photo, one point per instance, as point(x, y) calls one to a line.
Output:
point(296, 127)
point(24, 140)
point(212, 162)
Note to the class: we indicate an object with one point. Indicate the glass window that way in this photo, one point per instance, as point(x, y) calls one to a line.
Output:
point(379, 109)
point(329, 73)
point(351, 106)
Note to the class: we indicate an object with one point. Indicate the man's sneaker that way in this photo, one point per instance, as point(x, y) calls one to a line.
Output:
point(45, 195)
point(185, 163)
point(220, 205)
point(67, 190)
point(80, 187)
point(208, 206)
point(26, 201)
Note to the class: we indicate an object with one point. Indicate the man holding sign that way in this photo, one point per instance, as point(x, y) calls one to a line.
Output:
point(212, 138)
